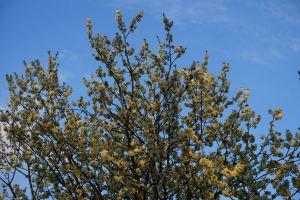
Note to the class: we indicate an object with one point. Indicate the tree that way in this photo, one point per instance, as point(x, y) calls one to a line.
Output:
point(146, 129)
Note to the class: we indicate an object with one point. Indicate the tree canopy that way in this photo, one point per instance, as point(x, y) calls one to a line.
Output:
point(145, 129)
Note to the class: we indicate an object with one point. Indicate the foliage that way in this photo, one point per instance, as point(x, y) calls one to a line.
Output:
point(146, 130)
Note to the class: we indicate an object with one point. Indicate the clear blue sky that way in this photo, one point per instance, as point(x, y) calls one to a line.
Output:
point(260, 39)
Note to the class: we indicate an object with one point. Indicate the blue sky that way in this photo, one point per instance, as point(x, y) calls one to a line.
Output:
point(260, 39)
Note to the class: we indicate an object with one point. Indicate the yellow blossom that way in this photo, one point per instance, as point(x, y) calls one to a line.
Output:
point(155, 105)
point(228, 173)
point(151, 118)
point(155, 77)
point(36, 116)
point(206, 163)
point(36, 87)
point(47, 182)
point(247, 92)
point(222, 184)
point(143, 163)
point(101, 87)
point(239, 168)
point(191, 153)
point(105, 154)
point(279, 116)
point(278, 174)
point(118, 178)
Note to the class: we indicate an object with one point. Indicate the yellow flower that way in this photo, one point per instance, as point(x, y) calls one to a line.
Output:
point(115, 154)
point(131, 52)
point(93, 150)
point(36, 87)
point(228, 173)
point(247, 93)
point(143, 163)
point(133, 142)
point(118, 178)
point(138, 170)
point(120, 163)
point(239, 168)
point(68, 92)
point(151, 118)
point(101, 87)
point(136, 150)
point(240, 91)
point(155, 105)
point(36, 116)
point(222, 184)
point(227, 193)
point(273, 150)
point(131, 153)
point(52, 94)
point(120, 194)
point(278, 174)
point(279, 116)
point(206, 163)
point(118, 13)
point(105, 154)
point(134, 111)
point(155, 77)
point(47, 182)
point(94, 160)
point(29, 120)
point(191, 153)
point(27, 152)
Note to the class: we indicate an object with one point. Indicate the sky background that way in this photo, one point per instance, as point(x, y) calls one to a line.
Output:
point(260, 39)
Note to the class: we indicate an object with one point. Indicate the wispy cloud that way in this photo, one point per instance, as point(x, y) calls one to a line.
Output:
point(266, 26)
point(294, 44)
point(254, 56)
point(181, 11)
point(68, 55)
point(199, 12)
point(286, 11)
point(262, 57)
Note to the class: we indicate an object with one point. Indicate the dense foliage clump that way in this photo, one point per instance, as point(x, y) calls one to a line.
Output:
point(146, 129)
